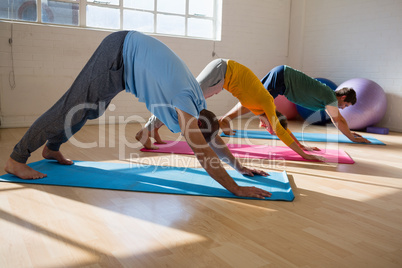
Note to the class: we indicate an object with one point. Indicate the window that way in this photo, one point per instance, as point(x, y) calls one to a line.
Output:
point(192, 18)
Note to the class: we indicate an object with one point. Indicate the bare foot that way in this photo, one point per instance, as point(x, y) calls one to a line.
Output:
point(56, 155)
point(155, 135)
point(143, 137)
point(225, 126)
point(22, 171)
point(151, 146)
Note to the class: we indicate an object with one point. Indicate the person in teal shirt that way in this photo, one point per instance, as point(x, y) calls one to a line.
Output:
point(158, 77)
point(305, 91)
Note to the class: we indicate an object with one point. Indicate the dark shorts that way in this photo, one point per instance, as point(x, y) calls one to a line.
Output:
point(274, 81)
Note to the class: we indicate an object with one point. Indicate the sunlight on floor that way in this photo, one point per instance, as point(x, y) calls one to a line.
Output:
point(243, 205)
point(59, 229)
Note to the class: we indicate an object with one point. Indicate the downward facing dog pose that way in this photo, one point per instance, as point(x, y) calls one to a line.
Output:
point(211, 82)
point(247, 88)
point(304, 91)
point(156, 76)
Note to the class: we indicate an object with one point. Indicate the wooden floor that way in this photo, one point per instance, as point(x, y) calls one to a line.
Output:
point(342, 216)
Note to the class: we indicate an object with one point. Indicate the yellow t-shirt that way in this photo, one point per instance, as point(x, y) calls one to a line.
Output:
point(248, 89)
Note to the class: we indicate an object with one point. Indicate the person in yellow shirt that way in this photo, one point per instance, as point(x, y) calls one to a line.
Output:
point(247, 88)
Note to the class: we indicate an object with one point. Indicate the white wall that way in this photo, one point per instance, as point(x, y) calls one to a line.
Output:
point(346, 39)
point(47, 59)
point(335, 39)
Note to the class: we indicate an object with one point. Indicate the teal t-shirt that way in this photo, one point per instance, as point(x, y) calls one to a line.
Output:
point(160, 79)
point(307, 92)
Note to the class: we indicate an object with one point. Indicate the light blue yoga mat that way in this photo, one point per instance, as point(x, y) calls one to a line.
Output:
point(156, 179)
point(318, 137)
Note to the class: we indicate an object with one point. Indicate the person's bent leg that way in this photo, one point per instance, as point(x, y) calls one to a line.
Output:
point(236, 111)
point(47, 125)
point(100, 80)
point(150, 129)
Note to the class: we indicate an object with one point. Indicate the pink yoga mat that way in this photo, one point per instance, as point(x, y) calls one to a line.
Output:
point(257, 151)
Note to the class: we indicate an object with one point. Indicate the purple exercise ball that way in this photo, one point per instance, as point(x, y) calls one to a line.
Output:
point(371, 103)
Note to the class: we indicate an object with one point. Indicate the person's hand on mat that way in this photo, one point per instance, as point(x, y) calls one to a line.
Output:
point(296, 147)
point(342, 125)
point(307, 148)
point(210, 161)
point(250, 172)
point(314, 157)
point(359, 138)
point(252, 192)
point(224, 124)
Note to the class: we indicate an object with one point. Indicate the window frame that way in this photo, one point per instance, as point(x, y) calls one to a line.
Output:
point(82, 15)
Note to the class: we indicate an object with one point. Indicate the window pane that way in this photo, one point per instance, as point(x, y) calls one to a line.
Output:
point(104, 2)
point(140, 4)
point(138, 20)
point(200, 28)
point(60, 12)
point(169, 24)
point(103, 17)
point(172, 6)
point(18, 10)
point(202, 8)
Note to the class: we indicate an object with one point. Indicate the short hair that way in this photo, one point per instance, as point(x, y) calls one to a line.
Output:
point(208, 124)
point(282, 120)
point(349, 92)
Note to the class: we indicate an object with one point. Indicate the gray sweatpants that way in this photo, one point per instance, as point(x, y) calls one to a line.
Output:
point(211, 80)
point(98, 83)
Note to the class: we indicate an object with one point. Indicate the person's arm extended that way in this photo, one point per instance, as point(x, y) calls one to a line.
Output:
point(293, 145)
point(339, 121)
point(269, 128)
point(303, 147)
point(223, 152)
point(210, 161)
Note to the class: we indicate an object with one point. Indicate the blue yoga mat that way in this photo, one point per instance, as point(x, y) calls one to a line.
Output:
point(318, 137)
point(156, 179)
